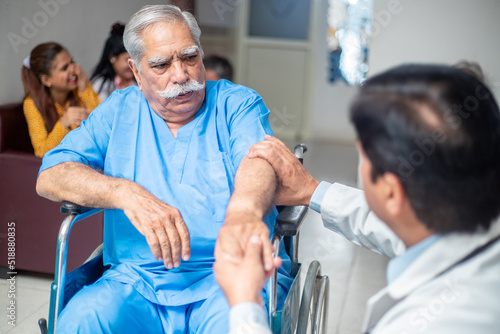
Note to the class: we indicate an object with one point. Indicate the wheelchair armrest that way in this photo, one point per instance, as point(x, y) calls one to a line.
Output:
point(289, 220)
point(291, 217)
point(69, 208)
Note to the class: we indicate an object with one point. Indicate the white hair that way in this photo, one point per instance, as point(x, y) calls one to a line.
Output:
point(149, 16)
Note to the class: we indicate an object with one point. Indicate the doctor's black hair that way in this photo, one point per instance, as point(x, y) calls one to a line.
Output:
point(438, 130)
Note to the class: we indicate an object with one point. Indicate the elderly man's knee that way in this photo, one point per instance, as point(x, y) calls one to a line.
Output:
point(106, 306)
point(89, 308)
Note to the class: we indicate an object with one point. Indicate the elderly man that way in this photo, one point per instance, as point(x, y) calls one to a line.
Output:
point(163, 159)
point(429, 137)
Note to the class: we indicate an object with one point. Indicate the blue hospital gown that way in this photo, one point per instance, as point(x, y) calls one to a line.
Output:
point(123, 137)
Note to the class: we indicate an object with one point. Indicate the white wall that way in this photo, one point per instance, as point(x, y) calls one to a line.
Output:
point(436, 31)
point(80, 26)
point(420, 31)
point(442, 31)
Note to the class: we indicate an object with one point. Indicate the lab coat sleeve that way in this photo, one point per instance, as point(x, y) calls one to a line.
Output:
point(248, 318)
point(344, 210)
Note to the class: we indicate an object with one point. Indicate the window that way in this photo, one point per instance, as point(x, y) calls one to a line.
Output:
point(349, 29)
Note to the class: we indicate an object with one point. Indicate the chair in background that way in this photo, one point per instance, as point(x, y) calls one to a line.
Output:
point(34, 216)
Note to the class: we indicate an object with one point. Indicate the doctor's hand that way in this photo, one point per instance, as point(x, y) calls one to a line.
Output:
point(238, 228)
point(242, 281)
point(162, 225)
point(296, 185)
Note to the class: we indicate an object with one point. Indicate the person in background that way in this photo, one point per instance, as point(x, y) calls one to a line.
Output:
point(58, 95)
point(431, 175)
point(218, 68)
point(113, 71)
point(471, 67)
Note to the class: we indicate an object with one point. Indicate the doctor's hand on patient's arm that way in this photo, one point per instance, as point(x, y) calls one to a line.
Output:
point(242, 281)
point(162, 225)
point(296, 185)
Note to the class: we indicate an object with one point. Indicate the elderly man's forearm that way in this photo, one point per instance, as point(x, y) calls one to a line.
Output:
point(255, 187)
point(80, 184)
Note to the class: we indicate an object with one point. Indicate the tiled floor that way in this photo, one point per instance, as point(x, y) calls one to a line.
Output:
point(32, 303)
point(355, 273)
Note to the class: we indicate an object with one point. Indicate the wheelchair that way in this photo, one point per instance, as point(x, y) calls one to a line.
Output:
point(304, 311)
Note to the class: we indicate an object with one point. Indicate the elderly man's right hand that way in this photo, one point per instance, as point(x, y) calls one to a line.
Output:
point(162, 225)
point(296, 185)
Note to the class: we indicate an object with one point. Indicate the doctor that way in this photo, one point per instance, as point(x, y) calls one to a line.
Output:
point(429, 137)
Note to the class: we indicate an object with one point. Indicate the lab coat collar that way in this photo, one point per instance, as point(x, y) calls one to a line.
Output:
point(444, 254)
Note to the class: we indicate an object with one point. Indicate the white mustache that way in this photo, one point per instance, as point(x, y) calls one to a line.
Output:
point(184, 88)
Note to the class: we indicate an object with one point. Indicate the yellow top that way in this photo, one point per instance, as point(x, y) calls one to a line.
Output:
point(41, 140)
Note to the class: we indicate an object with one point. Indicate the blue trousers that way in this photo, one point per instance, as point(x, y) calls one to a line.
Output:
point(113, 307)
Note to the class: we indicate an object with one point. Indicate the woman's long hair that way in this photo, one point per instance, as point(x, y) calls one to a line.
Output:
point(113, 47)
point(41, 61)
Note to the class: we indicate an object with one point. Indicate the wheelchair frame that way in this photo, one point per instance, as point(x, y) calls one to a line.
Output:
point(314, 297)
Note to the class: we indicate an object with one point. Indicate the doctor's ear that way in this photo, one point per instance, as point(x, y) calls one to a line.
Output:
point(396, 197)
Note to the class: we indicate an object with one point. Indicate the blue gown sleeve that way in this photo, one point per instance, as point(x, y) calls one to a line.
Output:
point(248, 120)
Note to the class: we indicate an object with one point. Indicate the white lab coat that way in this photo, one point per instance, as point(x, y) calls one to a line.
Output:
point(434, 294)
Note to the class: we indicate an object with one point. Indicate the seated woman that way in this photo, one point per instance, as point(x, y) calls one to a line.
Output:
point(113, 71)
point(58, 95)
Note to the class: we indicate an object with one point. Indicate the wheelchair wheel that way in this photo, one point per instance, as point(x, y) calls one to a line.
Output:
point(314, 302)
